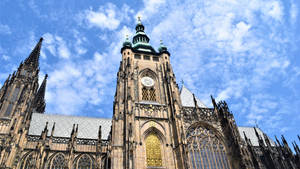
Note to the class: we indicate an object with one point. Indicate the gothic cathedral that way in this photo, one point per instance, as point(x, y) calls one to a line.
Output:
point(155, 124)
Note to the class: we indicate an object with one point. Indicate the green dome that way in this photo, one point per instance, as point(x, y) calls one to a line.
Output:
point(162, 47)
point(127, 42)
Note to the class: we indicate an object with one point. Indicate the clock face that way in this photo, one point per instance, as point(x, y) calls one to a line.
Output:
point(147, 81)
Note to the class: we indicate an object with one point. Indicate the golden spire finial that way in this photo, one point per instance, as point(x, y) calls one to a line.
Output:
point(139, 18)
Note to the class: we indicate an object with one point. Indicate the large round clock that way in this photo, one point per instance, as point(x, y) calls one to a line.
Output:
point(147, 81)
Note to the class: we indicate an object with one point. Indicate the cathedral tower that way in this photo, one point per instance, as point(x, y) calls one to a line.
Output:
point(19, 97)
point(146, 124)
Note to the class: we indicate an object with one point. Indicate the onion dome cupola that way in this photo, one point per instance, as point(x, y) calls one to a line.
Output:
point(140, 36)
point(127, 42)
point(162, 48)
point(140, 40)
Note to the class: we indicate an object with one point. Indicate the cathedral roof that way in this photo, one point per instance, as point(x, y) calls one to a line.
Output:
point(87, 127)
point(187, 98)
point(250, 133)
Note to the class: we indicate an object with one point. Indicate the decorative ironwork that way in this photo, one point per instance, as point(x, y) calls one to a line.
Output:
point(60, 140)
point(33, 138)
point(148, 94)
point(206, 151)
point(86, 142)
point(153, 151)
point(192, 114)
point(152, 95)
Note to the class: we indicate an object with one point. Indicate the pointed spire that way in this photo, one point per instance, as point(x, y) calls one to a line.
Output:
point(99, 133)
point(195, 101)
point(39, 100)
point(33, 58)
point(53, 128)
point(213, 101)
point(46, 127)
point(7, 80)
point(278, 142)
point(260, 140)
point(283, 140)
point(4, 87)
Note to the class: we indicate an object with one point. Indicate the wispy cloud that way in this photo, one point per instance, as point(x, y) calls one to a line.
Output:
point(150, 7)
point(236, 50)
point(5, 57)
point(74, 84)
point(56, 45)
point(4, 29)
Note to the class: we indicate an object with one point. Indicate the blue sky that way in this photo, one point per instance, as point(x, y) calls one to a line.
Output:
point(244, 52)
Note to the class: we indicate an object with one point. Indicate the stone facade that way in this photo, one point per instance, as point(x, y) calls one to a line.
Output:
point(155, 125)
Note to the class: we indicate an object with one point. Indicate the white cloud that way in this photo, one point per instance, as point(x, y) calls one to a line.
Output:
point(293, 12)
point(63, 50)
point(5, 57)
point(150, 7)
point(108, 16)
point(4, 29)
point(56, 45)
point(104, 18)
point(75, 83)
point(273, 9)
point(234, 49)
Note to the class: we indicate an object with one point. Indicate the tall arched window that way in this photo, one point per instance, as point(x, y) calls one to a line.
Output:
point(153, 151)
point(206, 151)
point(28, 162)
point(84, 162)
point(58, 162)
point(148, 86)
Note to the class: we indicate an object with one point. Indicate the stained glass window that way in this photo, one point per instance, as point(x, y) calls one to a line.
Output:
point(28, 162)
point(9, 109)
point(84, 162)
point(153, 151)
point(206, 151)
point(58, 162)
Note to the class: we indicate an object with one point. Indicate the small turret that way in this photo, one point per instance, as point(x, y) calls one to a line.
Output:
point(127, 42)
point(162, 48)
point(39, 100)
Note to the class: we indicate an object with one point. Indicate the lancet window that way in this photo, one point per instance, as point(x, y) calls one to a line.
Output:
point(148, 86)
point(28, 162)
point(58, 162)
point(206, 151)
point(84, 162)
point(153, 151)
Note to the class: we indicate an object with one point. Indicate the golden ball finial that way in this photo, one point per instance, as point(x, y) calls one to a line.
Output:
point(139, 18)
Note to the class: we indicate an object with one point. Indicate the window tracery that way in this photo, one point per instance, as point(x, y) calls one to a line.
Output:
point(153, 151)
point(28, 162)
point(58, 162)
point(84, 162)
point(206, 151)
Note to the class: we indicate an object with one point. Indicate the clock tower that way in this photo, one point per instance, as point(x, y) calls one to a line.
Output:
point(147, 129)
